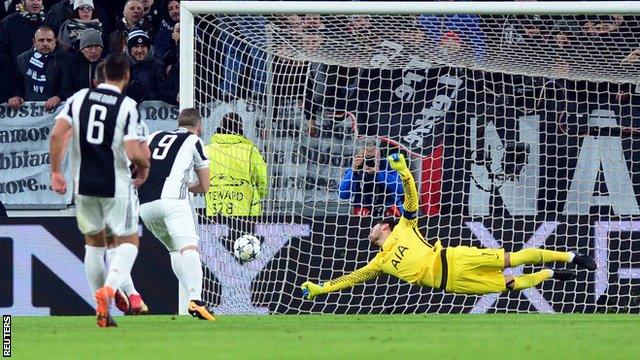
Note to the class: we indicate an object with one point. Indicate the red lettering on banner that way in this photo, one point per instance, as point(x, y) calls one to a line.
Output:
point(431, 181)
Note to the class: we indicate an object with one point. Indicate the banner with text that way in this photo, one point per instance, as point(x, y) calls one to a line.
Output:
point(24, 156)
point(24, 150)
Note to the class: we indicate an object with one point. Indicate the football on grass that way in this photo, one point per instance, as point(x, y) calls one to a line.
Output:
point(246, 248)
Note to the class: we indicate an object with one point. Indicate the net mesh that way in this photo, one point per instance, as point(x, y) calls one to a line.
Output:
point(520, 132)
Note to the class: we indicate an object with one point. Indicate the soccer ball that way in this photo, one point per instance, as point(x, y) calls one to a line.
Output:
point(246, 248)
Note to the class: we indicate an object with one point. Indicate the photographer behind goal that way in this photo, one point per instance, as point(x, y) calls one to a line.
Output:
point(372, 186)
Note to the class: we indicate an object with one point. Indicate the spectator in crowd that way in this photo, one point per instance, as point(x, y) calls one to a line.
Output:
point(442, 29)
point(133, 17)
point(162, 42)
point(238, 172)
point(65, 9)
point(632, 58)
point(608, 34)
point(40, 72)
point(169, 89)
point(523, 32)
point(17, 29)
point(84, 17)
point(81, 67)
point(151, 16)
point(243, 73)
point(7, 76)
point(8, 7)
point(147, 72)
point(371, 185)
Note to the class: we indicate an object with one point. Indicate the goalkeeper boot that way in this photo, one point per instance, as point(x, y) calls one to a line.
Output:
point(103, 298)
point(564, 274)
point(584, 261)
point(122, 301)
point(137, 307)
point(198, 308)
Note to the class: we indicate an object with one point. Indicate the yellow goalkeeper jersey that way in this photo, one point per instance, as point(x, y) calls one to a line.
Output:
point(405, 254)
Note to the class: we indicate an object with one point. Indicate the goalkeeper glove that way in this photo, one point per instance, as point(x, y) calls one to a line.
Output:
point(397, 162)
point(311, 290)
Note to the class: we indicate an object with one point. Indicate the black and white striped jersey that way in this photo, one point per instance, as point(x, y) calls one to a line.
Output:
point(174, 157)
point(102, 120)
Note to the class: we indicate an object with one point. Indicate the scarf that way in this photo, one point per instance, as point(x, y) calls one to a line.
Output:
point(77, 26)
point(73, 29)
point(36, 71)
point(33, 18)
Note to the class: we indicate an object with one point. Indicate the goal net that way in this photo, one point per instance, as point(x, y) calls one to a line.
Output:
point(520, 129)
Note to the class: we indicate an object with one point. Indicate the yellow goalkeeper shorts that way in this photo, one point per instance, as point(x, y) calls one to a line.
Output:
point(475, 271)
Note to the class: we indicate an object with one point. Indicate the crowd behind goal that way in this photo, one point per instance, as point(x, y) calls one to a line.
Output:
point(146, 32)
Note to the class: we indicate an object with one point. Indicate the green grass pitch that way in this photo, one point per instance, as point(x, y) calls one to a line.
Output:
point(496, 336)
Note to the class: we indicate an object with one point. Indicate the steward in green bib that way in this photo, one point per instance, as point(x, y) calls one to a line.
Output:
point(238, 172)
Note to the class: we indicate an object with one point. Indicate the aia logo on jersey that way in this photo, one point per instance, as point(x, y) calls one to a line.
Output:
point(399, 255)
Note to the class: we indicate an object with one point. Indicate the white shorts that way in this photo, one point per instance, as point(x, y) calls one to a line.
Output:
point(119, 213)
point(172, 221)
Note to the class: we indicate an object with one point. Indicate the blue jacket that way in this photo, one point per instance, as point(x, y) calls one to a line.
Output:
point(386, 189)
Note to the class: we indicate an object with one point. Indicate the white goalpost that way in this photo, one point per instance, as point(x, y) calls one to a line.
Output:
point(520, 120)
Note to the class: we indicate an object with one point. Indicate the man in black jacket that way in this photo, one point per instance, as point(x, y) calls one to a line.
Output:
point(162, 41)
point(170, 87)
point(81, 67)
point(17, 29)
point(8, 7)
point(147, 72)
point(132, 18)
point(7, 77)
point(40, 72)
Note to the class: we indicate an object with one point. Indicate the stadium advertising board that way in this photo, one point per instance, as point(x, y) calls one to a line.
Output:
point(44, 274)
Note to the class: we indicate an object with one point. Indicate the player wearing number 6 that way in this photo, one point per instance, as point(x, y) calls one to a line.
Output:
point(407, 255)
point(108, 137)
point(166, 209)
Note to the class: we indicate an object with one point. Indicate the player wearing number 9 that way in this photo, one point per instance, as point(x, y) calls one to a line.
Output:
point(238, 172)
point(406, 254)
point(165, 204)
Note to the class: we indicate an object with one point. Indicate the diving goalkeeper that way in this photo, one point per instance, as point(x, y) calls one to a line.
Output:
point(407, 255)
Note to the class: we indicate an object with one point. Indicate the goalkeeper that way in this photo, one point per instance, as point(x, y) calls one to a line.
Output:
point(407, 255)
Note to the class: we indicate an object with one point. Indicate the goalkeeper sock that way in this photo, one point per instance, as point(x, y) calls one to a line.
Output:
point(530, 280)
point(127, 286)
point(94, 266)
point(538, 256)
point(192, 270)
point(176, 265)
point(121, 264)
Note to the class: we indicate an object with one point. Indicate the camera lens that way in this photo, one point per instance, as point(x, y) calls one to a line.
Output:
point(370, 162)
